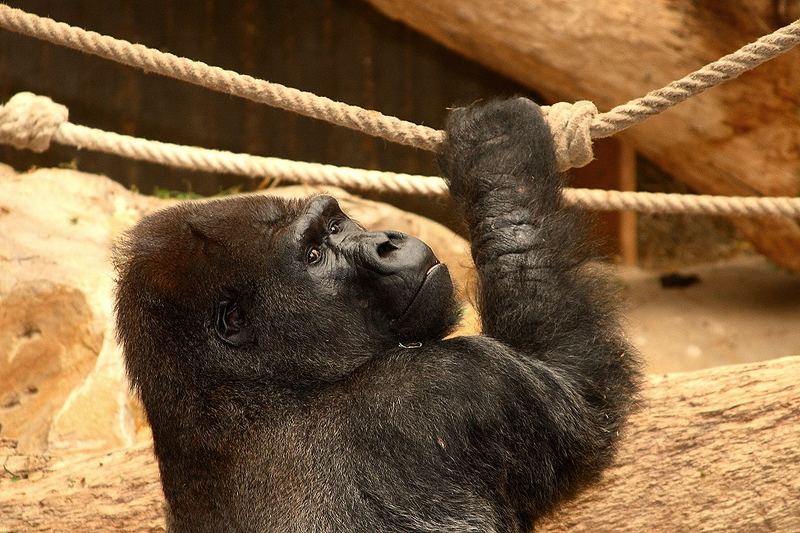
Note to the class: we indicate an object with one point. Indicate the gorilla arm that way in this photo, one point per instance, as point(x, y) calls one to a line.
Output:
point(534, 294)
point(532, 411)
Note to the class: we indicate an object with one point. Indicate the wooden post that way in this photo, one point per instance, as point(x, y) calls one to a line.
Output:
point(628, 230)
point(614, 167)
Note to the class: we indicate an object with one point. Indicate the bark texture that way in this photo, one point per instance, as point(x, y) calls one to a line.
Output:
point(741, 138)
point(713, 450)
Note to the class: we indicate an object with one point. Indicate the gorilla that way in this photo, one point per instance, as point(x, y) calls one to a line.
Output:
point(297, 375)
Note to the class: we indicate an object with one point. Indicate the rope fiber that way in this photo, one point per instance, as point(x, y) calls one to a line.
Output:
point(31, 121)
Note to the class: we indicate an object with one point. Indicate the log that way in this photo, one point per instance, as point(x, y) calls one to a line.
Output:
point(741, 138)
point(712, 450)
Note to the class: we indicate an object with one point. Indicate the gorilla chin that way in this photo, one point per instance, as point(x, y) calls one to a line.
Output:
point(430, 314)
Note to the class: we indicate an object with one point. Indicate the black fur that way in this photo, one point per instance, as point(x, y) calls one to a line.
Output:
point(278, 391)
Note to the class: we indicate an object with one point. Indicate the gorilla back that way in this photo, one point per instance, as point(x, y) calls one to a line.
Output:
point(296, 375)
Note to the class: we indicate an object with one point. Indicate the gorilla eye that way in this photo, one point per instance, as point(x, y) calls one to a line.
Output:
point(313, 255)
point(334, 227)
point(232, 314)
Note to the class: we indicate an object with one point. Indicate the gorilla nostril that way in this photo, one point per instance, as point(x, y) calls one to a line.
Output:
point(385, 248)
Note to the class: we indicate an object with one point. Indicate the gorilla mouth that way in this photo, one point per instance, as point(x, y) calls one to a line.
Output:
point(429, 275)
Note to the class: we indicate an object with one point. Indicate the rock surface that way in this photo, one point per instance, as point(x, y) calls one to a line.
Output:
point(62, 382)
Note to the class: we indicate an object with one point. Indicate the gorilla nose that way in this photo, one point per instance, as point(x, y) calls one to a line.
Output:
point(392, 252)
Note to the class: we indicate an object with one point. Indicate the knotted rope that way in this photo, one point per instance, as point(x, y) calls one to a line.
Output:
point(28, 121)
point(33, 122)
point(570, 125)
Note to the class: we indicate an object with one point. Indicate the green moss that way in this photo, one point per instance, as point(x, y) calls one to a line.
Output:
point(158, 192)
point(69, 165)
point(14, 476)
point(167, 194)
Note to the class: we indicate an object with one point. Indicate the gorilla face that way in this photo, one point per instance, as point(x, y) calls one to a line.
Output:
point(393, 278)
point(262, 285)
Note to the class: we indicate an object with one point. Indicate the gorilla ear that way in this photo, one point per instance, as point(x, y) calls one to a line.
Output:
point(231, 326)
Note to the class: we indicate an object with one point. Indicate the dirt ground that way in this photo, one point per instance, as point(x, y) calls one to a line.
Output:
point(740, 310)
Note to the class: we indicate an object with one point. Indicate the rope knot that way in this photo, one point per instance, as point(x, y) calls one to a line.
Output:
point(30, 121)
point(570, 125)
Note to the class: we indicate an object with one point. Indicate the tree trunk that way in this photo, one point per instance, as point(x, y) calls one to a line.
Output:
point(741, 138)
point(713, 450)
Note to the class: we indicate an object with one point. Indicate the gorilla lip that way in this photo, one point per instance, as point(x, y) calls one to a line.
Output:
point(434, 268)
point(430, 270)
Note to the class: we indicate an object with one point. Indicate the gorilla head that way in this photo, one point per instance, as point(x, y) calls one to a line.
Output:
point(239, 285)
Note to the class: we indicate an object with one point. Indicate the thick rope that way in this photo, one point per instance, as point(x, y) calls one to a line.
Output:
point(31, 121)
point(218, 79)
point(726, 68)
point(572, 142)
